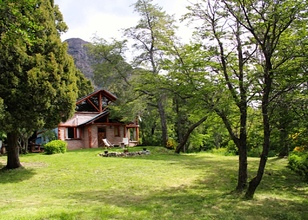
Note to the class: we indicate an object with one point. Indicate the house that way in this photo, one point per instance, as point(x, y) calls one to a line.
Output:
point(91, 124)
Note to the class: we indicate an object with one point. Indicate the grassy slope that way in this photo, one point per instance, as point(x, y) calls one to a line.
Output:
point(82, 185)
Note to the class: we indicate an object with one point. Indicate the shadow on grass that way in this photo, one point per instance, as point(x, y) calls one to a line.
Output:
point(208, 197)
point(194, 202)
point(15, 175)
point(69, 215)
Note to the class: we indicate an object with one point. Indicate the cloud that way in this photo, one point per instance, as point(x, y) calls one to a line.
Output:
point(106, 18)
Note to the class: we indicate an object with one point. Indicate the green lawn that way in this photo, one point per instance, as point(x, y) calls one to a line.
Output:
point(82, 185)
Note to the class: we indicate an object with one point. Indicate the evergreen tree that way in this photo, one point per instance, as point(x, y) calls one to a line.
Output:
point(37, 81)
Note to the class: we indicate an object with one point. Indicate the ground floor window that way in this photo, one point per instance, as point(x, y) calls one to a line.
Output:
point(72, 133)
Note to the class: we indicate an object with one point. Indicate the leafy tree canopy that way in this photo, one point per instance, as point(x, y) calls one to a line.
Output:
point(38, 77)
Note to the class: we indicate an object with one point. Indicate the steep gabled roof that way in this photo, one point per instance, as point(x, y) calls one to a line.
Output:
point(104, 93)
point(96, 101)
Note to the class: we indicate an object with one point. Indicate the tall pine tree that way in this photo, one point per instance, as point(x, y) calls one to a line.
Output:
point(37, 81)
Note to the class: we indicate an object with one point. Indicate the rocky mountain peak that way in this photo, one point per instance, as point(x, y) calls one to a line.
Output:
point(78, 50)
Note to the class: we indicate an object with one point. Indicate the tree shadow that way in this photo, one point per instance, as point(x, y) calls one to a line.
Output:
point(67, 215)
point(15, 175)
point(192, 202)
point(208, 197)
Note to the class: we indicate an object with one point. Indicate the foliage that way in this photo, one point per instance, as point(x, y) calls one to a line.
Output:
point(2, 131)
point(264, 62)
point(36, 71)
point(219, 151)
point(171, 144)
point(113, 73)
point(154, 32)
point(55, 147)
point(150, 131)
point(2, 135)
point(1, 109)
point(289, 121)
point(298, 161)
point(198, 141)
point(222, 151)
point(49, 135)
point(254, 152)
point(226, 70)
point(84, 85)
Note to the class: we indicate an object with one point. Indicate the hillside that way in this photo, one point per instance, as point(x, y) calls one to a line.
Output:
point(78, 50)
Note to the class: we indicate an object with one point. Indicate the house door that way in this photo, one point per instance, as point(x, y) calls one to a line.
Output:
point(101, 134)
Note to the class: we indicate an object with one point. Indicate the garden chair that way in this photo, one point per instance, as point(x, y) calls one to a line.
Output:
point(125, 142)
point(107, 143)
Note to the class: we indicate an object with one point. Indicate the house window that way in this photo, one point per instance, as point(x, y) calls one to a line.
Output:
point(117, 131)
point(72, 133)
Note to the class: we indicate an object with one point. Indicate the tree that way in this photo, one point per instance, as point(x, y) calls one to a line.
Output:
point(228, 70)
point(84, 85)
point(278, 27)
point(188, 89)
point(255, 46)
point(113, 73)
point(37, 81)
point(153, 32)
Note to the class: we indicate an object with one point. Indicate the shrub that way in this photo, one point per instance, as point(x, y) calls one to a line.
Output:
point(254, 152)
point(171, 144)
point(298, 162)
point(222, 151)
point(55, 147)
point(231, 149)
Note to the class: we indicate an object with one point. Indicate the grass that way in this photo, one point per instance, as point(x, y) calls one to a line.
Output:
point(82, 185)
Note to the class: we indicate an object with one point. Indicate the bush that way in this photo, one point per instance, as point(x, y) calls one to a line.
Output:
point(298, 162)
point(231, 149)
point(171, 144)
point(254, 152)
point(55, 147)
point(222, 151)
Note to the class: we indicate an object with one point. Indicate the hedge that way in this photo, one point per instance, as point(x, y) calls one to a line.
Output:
point(55, 147)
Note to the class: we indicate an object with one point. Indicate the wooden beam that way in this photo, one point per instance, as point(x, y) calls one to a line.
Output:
point(88, 100)
point(137, 134)
point(100, 103)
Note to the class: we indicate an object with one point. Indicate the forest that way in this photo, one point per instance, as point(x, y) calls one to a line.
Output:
point(215, 91)
point(239, 87)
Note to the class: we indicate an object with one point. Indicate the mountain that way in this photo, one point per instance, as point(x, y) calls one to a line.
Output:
point(78, 50)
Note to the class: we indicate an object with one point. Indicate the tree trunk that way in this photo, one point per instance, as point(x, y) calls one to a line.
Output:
point(254, 183)
point(181, 120)
point(242, 169)
point(163, 121)
point(242, 147)
point(241, 144)
point(181, 146)
point(242, 105)
point(12, 151)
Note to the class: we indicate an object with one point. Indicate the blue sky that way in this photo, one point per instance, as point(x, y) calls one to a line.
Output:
point(106, 18)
